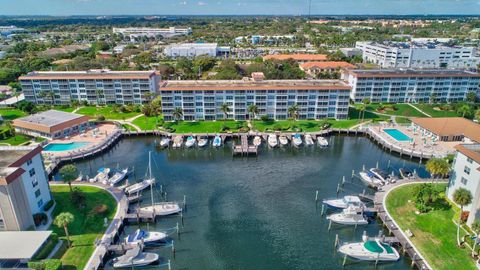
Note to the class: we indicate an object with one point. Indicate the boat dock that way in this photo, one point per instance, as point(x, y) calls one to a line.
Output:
point(244, 148)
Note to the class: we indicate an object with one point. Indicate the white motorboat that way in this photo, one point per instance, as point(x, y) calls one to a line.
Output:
point(297, 140)
point(344, 202)
point(102, 175)
point(203, 141)
point(257, 141)
point(370, 179)
point(406, 173)
point(135, 258)
point(272, 140)
point(349, 216)
point(165, 142)
point(145, 237)
point(217, 141)
point(190, 141)
point(177, 142)
point(283, 140)
point(118, 177)
point(370, 250)
point(309, 139)
point(322, 141)
point(137, 187)
point(162, 209)
point(382, 175)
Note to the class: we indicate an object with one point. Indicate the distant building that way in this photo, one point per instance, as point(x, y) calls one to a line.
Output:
point(9, 30)
point(466, 174)
point(315, 68)
point(256, 39)
point(195, 50)
point(93, 86)
point(201, 100)
point(351, 52)
point(301, 58)
point(136, 32)
point(411, 85)
point(24, 187)
point(52, 124)
point(448, 129)
point(418, 55)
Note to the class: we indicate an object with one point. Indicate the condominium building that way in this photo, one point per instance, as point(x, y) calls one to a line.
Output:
point(466, 174)
point(418, 55)
point(24, 187)
point(135, 32)
point(195, 50)
point(411, 85)
point(298, 57)
point(201, 100)
point(93, 86)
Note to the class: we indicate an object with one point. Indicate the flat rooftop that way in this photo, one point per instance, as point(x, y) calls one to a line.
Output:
point(193, 45)
point(8, 157)
point(470, 150)
point(50, 118)
point(89, 74)
point(450, 126)
point(21, 245)
point(412, 73)
point(297, 57)
point(254, 85)
point(427, 44)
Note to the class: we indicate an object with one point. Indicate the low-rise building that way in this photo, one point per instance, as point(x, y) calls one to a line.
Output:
point(201, 100)
point(299, 57)
point(94, 86)
point(418, 55)
point(411, 85)
point(351, 52)
point(196, 49)
point(466, 174)
point(24, 188)
point(52, 124)
point(448, 129)
point(315, 68)
point(135, 32)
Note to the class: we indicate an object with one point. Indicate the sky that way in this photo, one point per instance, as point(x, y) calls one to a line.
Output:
point(236, 7)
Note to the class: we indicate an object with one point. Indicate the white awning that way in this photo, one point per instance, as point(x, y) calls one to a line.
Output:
point(21, 245)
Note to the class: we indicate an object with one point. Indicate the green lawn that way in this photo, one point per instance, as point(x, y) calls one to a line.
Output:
point(146, 123)
point(434, 232)
point(395, 109)
point(15, 140)
point(107, 112)
point(86, 226)
point(64, 108)
point(10, 114)
point(204, 126)
point(435, 111)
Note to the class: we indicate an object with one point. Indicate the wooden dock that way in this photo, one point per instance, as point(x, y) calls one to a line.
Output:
point(244, 148)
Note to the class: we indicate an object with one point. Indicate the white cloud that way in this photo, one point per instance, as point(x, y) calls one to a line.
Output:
point(183, 3)
point(200, 3)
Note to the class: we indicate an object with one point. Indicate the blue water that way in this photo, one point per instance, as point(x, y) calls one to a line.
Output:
point(257, 212)
point(398, 135)
point(56, 147)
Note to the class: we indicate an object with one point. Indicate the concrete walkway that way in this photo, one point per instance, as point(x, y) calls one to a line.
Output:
point(76, 110)
point(415, 107)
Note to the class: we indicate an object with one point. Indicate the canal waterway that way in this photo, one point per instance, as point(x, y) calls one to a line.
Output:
point(256, 212)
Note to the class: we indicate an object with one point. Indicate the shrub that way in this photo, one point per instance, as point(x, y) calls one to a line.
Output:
point(40, 218)
point(464, 216)
point(78, 198)
point(265, 118)
point(48, 205)
point(100, 117)
point(53, 264)
point(99, 210)
point(277, 127)
point(36, 265)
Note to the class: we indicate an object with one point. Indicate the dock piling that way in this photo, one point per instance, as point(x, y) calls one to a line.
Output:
point(322, 209)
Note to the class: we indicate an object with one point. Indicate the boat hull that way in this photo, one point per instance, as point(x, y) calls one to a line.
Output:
point(163, 209)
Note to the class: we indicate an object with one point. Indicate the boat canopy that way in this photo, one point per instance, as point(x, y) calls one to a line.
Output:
point(137, 235)
point(352, 199)
point(373, 246)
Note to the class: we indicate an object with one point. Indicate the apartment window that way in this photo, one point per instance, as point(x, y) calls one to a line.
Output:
point(464, 181)
point(469, 160)
point(31, 172)
point(37, 193)
point(35, 182)
point(40, 203)
point(466, 170)
point(2, 224)
point(29, 162)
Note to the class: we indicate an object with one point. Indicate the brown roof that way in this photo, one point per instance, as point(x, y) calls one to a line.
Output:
point(469, 152)
point(297, 57)
point(50, 121)
point(450, 126)
point(326, 65)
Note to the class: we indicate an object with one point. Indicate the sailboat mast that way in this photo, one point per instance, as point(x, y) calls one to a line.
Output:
point(150, 174)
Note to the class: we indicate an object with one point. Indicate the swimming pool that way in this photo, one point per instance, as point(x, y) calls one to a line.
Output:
point(398, 135)
point(56, 147)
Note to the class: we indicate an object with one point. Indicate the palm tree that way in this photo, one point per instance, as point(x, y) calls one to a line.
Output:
point(477, 115)
point(365, 102)
point(225, 109)
point(433, 98)
point(50, 95)
point(361, 109)
point(293, 112)
point(476, 229)
point(437, 167)
point(148, 96)
point(464, 109)
point(177, 113)
point(461, 197)
point(99, 96)
point(69, 173)
point(253, 110)
point(62, 220)
point(471, 97)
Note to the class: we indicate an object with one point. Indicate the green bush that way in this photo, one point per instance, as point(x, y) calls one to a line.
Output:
point(100, 117)
point(36, 265)
point(53, 264)
point(48, 247)
point(40, 218)
point(265, 118)
point(48, 205)
point(78, 198)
